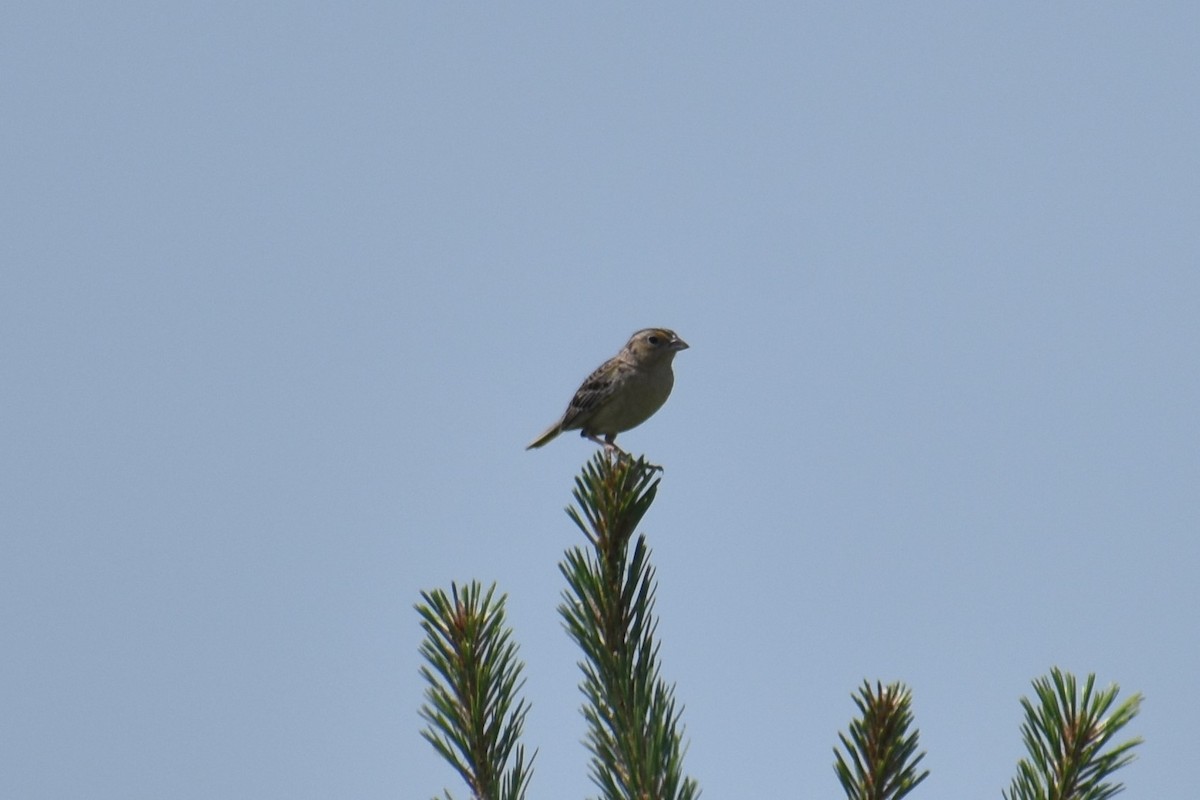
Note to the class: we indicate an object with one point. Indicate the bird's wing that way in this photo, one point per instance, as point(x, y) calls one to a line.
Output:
point(595, 390)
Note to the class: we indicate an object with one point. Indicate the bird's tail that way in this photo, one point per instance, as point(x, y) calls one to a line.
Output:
point(547, 435)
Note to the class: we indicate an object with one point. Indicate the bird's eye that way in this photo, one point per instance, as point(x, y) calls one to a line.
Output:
point(654, 340)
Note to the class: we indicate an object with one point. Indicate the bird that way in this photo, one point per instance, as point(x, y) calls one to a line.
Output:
point(623, 392)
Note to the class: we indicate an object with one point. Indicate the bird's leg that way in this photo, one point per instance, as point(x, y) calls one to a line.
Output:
point(607, 443)
point(610, 445)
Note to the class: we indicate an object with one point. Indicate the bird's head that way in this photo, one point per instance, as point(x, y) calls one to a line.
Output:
point(655, 344)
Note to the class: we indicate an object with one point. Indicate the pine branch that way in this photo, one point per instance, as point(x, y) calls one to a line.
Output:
point(473, 674)
point(634, 731)
point(1065, 736)
point(879, 746)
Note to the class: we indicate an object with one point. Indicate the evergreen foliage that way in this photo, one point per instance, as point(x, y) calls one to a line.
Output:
point(473, 674)
point(474, 716)
point(634, 732)
point(879, 762)
point(1066, 734)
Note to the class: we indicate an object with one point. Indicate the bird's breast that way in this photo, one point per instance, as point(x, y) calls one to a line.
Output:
point(643, 394)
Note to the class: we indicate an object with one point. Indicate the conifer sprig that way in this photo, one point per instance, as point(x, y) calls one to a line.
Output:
point(1065, 735)
point(474, 676)
point(880, 761)
point(634, 731)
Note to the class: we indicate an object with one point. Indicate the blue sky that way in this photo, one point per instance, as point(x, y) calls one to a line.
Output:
point(288, 287)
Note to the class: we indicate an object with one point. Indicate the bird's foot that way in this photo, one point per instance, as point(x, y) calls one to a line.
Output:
point(610, 447)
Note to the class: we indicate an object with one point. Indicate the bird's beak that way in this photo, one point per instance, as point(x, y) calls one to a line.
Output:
point(678, 344)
